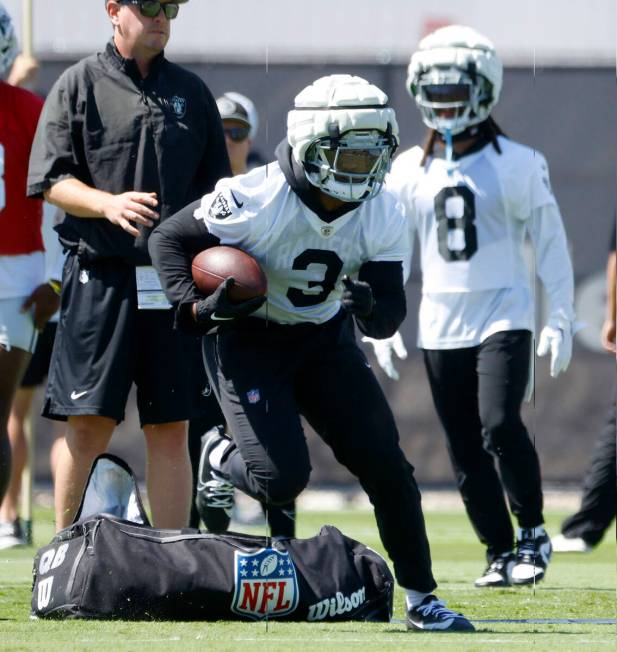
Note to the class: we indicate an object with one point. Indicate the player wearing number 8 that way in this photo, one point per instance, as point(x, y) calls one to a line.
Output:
point(332, 246)
point(471, 197)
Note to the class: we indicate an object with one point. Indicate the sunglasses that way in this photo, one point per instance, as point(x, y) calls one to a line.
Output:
point(237, 134)
point(152, 8)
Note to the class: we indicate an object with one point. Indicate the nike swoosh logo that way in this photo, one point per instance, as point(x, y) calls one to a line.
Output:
point(236, 202)
point(215, 318)
point(76, 395)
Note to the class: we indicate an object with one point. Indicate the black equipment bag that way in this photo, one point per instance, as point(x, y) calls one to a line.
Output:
point(105, 566)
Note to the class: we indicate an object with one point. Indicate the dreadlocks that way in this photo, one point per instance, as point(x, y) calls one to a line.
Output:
point(488, 130)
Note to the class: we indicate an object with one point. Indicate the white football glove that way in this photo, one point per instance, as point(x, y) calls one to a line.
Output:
point(556, 337)
point(383, 352)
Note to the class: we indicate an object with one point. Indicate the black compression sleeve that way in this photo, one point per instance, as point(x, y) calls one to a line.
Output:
point(173, 245)
point(386, 281)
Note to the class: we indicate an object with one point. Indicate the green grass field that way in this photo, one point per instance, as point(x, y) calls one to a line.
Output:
point(577, 587)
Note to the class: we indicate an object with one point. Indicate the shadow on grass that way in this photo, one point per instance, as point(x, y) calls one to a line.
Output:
point(549, 589)
point(534, 632)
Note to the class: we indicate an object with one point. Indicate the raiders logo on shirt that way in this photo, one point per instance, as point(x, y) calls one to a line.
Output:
point(219, 209)
point(178, 106)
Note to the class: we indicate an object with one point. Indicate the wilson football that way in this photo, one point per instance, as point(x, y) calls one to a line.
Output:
point(212, 266)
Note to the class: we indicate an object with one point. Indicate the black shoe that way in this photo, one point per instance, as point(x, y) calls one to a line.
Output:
point(533, 552)
point(432, 615)
point(215, 494)
point(498, 572)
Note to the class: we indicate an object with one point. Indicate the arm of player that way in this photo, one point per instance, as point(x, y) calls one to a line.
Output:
point(44, 301)
point(555, 270)
point(380, 317)
point(172, 246)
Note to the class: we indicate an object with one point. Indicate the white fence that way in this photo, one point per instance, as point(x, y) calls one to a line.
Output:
point(526, 32)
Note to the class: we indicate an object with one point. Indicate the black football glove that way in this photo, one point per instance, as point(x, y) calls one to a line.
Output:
point(218, 307)
point(357, 298)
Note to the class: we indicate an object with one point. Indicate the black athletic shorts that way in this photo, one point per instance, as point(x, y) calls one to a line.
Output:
point(38, 368)
point(104, 344)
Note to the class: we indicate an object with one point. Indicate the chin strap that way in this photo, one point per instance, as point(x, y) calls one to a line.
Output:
point(449, 149)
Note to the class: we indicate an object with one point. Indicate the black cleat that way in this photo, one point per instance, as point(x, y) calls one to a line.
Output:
point(498, 572)
point(215, 494)
point(533, 552)
point(432, 615)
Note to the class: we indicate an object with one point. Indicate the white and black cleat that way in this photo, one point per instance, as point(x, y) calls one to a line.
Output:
point(215, 494)
point(533, 553)
point(432, 615)
point(498, 573)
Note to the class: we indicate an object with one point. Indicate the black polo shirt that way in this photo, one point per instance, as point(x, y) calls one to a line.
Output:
point(115, 131)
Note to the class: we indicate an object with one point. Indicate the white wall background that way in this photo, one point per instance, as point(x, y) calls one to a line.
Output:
point(526, 32)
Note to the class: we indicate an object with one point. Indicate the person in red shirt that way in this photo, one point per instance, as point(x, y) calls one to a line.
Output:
point(26, 300)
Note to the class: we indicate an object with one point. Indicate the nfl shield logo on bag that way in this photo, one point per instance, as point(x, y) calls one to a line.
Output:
point(266, 584)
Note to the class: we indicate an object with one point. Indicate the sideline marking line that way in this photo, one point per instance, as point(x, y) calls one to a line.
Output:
point(538, 621)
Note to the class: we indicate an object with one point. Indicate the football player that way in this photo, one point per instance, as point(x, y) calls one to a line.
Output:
point(332, 248)
point(26, 301)
point(215, 507)
point(471, 196)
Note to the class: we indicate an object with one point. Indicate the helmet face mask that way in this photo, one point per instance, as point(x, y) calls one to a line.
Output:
point(351, 167)
point(450, 99)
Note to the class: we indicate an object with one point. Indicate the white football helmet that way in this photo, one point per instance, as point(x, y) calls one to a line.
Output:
point(8, 42)
point(455, 78)
point(343, 133)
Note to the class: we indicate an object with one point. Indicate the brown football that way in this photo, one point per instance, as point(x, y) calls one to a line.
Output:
point(212, 266)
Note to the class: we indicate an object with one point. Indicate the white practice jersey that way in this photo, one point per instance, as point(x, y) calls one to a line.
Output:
point(303, 257)
point(471, 217)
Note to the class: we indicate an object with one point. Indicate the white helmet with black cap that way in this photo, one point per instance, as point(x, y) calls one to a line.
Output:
point(343, 133)
point(455, 77)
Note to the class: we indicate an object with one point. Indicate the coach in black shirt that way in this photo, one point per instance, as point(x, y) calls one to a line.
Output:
point(126, 139)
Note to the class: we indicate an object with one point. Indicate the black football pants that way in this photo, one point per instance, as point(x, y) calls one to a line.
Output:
point(597, 509)
point(280, 519)
point(478, 392)
point(266, 375)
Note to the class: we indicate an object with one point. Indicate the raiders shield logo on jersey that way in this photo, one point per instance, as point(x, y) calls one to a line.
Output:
point(219, 209)
point(327, 231)
point(266, 584)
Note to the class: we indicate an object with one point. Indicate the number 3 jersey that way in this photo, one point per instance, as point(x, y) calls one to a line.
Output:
point(471, 216)
point(303, 257)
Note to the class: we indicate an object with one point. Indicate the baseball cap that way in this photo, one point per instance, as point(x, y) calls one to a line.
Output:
point(234, 106)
